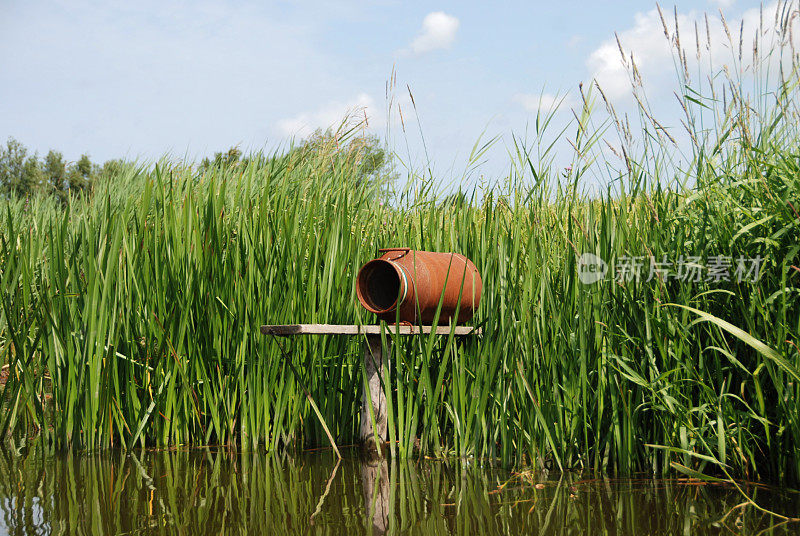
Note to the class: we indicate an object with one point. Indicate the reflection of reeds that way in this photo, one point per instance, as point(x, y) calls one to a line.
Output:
point(214, 492)
point(143, 302)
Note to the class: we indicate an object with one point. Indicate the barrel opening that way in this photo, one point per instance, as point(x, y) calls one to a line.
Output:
point(378, 286)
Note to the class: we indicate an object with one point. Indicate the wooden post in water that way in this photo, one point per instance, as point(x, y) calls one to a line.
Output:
point(376, 365)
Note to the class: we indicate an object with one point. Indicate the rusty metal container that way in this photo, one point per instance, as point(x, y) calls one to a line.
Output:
point(412, 282)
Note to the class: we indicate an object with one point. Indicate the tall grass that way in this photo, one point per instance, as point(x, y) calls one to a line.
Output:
point(131, 318)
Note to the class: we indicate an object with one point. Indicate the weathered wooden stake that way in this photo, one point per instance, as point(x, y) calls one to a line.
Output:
point(375, 363)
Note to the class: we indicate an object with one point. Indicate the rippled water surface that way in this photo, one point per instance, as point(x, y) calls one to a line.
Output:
point(213, 492)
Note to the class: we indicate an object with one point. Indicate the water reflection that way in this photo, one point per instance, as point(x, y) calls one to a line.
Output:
point(213, 492)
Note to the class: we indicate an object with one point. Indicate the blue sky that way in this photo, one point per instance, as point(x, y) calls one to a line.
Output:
point(141, 79)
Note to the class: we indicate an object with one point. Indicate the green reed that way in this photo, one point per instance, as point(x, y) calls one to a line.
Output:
point(131, 318)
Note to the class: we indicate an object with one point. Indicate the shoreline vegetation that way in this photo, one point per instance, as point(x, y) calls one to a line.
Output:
point(130, 311)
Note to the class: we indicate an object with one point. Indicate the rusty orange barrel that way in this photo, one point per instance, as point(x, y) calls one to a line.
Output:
point(411, 282)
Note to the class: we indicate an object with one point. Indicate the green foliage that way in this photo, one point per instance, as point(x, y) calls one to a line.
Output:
point(227, 159)
point(55, 171)
point(18, 172)
point(81, 174)
point(132, 318)
point(23, 176)
point(363, 155)
point(370, 160)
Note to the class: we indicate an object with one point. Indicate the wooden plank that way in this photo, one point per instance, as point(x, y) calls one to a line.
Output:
point(285, 330)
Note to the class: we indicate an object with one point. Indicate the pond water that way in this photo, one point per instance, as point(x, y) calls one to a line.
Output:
point(215, 491)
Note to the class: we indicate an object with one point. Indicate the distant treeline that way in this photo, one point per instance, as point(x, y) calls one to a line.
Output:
point(365, 155)
point(23, 173)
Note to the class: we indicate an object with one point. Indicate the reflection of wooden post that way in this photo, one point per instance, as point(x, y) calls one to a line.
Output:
point(375, 362)
point(375, 482)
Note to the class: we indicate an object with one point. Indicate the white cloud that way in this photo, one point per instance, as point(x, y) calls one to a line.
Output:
point(723, 3)
point(332, 115)
point(654, 54)
point(533, 102)
point(438, 31)
point(575, 40)
point(645, 41)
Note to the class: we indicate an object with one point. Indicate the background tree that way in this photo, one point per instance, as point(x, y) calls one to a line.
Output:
point(32, 177)
point(372, 161)
point(22, 174)
point(55, 173)
point(14, 173)
point(113, 167)
point(227, 158)
point(81, 174)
